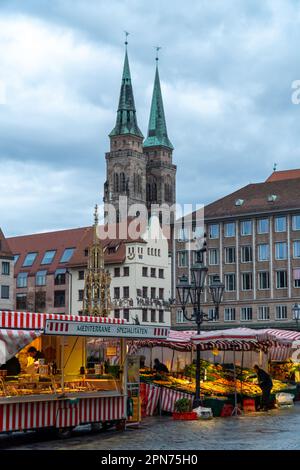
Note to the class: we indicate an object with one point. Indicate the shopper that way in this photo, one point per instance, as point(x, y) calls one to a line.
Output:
point(35, 354)
point(160, 367)
point(266, 384)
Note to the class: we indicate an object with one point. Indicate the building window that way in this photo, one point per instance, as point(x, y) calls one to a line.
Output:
point(246, 313)
point(296, 222)
point(117, 313)
point(213, 278)
point(5, 268)
point(126, 292)
point(16, 258)
point(22, 280)
point(117, 272)
point(21, 302)
point(145, 271)
point(246, 281)
point(60, 277)
point(280, 224)
point(263, 253)
point(116, 292)
point(126, 271)
point(153, 292)
point(230, 282)
point(296, 249)
point(214, 231)
point(212, 316)
point(246, 254)
point(161, 316)
point(80, 295)
point(145, 315)
point(80, 275)
point(230, 255)
point(229, 314)
point(161, 273)
point(161, 293)
point(126, 314)
point(213, 256)
point(180, 317)
point(296, 283)
point(229, 229)
point(182, 259)
point(153, 272)
point(59, 298)
point(48, 257)
point(41, 278)
point(67, 255)
point(281, 279)
point(263, 313)
point(264, 280)
point(246, 227)
point(280, 250)
point(281, 312)
point(4, 292)
point(40, 301)
point(153, 316)
point(263, 226)
point(296, 276)
point(86, 252)
point(183, 234)
point(145, 292)
point(29, 260)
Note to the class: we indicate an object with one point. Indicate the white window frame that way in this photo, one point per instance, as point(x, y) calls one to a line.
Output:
point(260, 232)
point(259, 279)
point(243, 247)
point(226, 250)
point(249, 313)
point(243, 224)
point(294, 217)
point(265, 309)
point(227, 224)
point(226, 275)
point(250, 274)
point(231, 312)
point(286, 278)
point(258, 252)
point(275, 224)
point(281, 309)
point(210, 232)
point(281, 244)
point(210, 251)
point(180, 316)
point(294, 256)
point(180, 265)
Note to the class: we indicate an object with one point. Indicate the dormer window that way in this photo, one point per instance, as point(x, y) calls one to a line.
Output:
point(239, 202)
point(272, 198)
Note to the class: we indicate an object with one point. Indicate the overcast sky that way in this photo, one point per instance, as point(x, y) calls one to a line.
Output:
point(226, 68)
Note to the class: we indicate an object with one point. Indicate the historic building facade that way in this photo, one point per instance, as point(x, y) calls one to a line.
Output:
point(6, 275)
point(253, 245)
point(142, 170)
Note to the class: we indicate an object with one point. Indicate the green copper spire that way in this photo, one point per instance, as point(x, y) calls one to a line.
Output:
point(126, 115)
point(157, 129)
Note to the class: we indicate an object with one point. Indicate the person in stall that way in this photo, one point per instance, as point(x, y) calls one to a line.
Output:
point(160, 367)
point(266, 385)
point(12, 366)
point(35, 354)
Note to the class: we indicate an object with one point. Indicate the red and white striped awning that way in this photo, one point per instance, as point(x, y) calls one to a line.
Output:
point(239, 339)
point(37, 321)
point(12, 341)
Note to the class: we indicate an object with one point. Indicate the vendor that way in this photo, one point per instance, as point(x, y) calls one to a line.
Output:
point(12, 366)
point(159, 366)
point(35, 354)
point(266, 385)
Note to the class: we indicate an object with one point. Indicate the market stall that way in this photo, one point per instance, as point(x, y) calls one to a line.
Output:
point(58, 390)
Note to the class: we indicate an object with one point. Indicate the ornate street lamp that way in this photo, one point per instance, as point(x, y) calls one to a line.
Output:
point(190, 294)
point(296, 313)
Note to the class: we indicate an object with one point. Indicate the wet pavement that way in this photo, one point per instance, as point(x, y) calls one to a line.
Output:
point(275, 430)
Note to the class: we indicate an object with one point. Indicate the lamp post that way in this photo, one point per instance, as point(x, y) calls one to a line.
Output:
point(190, 294)
point(296, 313)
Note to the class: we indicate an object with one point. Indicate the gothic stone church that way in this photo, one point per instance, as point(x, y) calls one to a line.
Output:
point(140, 169)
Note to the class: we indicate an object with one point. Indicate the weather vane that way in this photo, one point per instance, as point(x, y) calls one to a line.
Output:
point(157, 51)
point(126, 36)
point(275, 167)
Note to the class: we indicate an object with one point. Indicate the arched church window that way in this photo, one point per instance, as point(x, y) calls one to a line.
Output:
point(154, 192)
point(148, 191)
point(122, 182)
point(116, 182)
point(139, 184)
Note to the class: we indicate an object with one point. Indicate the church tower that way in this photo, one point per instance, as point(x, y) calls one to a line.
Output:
point(125, 162)
point(161, 172)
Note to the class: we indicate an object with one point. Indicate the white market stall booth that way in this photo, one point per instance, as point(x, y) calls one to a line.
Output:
point(59, 391)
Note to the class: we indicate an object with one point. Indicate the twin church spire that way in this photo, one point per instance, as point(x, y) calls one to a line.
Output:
point(126, 122)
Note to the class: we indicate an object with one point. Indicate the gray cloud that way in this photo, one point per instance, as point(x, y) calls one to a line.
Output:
point(226, 71)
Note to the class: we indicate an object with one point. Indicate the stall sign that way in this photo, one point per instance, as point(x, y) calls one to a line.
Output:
point(69, 328)
point(111, 351)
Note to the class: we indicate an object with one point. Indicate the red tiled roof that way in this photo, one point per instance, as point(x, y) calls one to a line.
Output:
point(79, 239)
point(4, 246)
point(283, 175)
point(255, 197)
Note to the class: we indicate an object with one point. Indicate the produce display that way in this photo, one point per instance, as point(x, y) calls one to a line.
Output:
point(216, 380)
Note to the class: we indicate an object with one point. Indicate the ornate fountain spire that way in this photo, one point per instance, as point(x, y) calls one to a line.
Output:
point(96, 299)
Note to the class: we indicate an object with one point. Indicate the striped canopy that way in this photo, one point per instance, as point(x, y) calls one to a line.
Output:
point(12, 341)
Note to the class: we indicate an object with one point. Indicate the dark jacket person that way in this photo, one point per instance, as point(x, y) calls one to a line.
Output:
point(160, 367)
point(266, 384)
point(12, 366)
